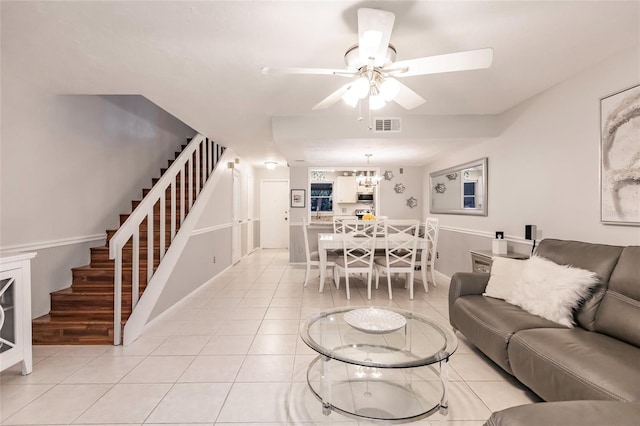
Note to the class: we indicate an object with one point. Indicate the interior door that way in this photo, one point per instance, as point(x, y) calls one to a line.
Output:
point(274, 214)
point(236, 246)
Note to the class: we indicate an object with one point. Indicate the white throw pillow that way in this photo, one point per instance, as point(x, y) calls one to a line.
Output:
point(552, 291)
point(505, 273)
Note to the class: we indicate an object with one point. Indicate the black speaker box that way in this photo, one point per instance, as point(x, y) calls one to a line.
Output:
point(530, 232)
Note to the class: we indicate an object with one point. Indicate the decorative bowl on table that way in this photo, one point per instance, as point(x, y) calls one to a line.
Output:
point(374, 320)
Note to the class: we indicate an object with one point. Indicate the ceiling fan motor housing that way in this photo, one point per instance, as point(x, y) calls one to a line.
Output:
point(354, 63)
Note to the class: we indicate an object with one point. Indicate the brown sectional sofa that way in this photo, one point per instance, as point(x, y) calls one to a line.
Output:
point(599, 359)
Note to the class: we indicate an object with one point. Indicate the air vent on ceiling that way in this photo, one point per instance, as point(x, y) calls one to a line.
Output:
point(387, 125)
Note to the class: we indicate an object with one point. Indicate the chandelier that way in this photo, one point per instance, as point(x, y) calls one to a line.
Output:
point(368, 179)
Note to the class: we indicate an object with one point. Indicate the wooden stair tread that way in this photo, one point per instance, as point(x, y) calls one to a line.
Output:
point(50, 319)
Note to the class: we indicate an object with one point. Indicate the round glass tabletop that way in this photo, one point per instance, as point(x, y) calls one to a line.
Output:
point(378, 337)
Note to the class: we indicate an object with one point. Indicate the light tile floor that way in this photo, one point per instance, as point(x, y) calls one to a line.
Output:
point(230, 355)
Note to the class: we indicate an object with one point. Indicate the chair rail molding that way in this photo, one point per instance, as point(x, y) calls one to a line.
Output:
point(41, 245)
point(486, 234)
point(211, 228)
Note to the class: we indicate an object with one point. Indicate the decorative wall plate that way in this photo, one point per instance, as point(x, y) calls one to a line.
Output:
point(399, 188)
point(452, 176)
point(412, 202)
point(388, 175)
point(440, 188)
point(374, 320)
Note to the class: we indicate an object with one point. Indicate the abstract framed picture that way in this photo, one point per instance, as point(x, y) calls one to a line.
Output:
point(297, 198)
point(620, 158)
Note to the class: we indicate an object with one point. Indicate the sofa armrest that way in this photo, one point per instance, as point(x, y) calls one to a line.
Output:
point(466, 283)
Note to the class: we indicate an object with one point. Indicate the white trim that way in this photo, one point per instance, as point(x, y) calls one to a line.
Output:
point(210, 229)
point(54, 243)
point(7, 258)
point(513, 239)
point(442, 278)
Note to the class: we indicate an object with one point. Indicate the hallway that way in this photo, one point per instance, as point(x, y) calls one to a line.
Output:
point(230, 354)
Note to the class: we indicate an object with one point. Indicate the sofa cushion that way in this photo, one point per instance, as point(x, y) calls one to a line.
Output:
point(619, 312)
point(568, 413)
point(598, 258)
point(569, 364)
point(505, 272)
point(489, 324)
point(552, 291)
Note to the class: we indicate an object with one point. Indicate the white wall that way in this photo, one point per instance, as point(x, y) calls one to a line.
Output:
point(393, 204)
point(71, 163)
point(544, 166)
point(69, 166)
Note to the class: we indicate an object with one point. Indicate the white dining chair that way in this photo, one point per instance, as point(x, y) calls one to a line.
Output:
point(431, 231)
point(401, 241)
point(338, 224)
point(358, 252)
point(313, 257)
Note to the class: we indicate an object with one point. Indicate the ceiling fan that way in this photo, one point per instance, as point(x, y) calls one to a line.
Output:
point(372, 63)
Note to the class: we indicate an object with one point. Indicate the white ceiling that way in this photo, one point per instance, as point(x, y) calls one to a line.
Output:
point(201, 62)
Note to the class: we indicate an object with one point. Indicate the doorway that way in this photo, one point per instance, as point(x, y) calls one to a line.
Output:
point(274, 213)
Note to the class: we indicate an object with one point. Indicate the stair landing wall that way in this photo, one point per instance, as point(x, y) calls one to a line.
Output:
point(79, 162)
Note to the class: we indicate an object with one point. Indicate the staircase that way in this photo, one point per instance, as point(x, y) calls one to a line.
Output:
point(105, 292)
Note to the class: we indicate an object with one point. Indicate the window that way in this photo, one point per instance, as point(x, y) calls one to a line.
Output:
point(469, 197)
point(322, 197)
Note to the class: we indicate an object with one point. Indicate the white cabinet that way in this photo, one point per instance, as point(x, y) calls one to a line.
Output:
point(347, 190)
point(15, 311)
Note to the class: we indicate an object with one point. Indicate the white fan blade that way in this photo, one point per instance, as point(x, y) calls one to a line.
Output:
point(313, 71)
point(460, 61)
point(332, 98)
point(374, 33)
point(407, 98)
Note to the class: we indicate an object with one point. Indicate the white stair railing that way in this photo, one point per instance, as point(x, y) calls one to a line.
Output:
point(182, 182)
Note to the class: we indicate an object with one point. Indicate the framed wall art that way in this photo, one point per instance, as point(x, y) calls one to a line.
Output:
point(298, 198)
point(620, 158)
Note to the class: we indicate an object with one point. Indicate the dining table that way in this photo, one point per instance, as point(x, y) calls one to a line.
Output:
point(333, 241)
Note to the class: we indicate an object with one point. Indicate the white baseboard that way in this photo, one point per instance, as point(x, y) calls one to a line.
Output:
point(442, 278)
point(178, 304)
point(181, 301)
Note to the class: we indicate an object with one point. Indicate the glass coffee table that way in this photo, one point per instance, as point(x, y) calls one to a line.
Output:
point(379, 363)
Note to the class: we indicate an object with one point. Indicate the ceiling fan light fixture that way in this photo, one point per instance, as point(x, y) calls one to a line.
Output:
point(361, 87)
point(376, 102)
point(351, 97)
point(389, 89)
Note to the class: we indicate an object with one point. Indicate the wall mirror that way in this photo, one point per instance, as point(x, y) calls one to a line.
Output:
point(460, 189)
